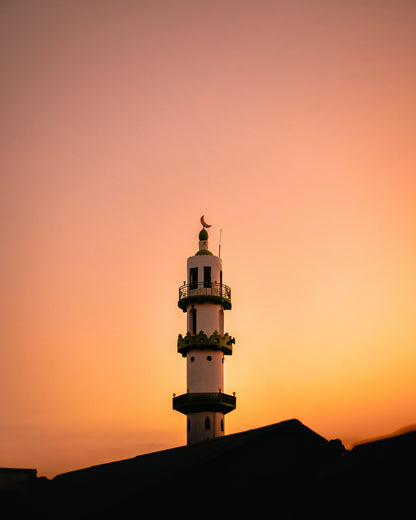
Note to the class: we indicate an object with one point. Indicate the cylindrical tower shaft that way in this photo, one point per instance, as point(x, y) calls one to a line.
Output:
point(204, 298)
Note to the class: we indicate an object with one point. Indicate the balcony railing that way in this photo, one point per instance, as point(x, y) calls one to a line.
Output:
point(204, 292)
point(204, 402)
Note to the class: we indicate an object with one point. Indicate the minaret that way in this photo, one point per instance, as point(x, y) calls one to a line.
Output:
point(204, 299)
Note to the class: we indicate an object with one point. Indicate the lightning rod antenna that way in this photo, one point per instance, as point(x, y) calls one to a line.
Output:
point(219, 246)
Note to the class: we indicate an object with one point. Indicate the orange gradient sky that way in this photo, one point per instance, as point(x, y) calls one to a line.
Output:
point(291, 126)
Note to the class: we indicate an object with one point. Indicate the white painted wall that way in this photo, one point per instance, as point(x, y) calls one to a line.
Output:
point(203, 375)
point(198, 433)
point(208, 318)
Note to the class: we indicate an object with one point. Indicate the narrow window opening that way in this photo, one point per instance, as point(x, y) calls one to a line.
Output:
point(189, 425)
point(221, 321)
point(193, 321)
point(222, 425)
point(193, 277)
point(207, 423)
point(207, 276)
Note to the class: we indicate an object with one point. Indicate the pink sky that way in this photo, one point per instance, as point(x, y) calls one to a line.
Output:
point(291, 126)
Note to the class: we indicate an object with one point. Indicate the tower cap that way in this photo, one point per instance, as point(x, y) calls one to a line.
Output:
point(203, 239)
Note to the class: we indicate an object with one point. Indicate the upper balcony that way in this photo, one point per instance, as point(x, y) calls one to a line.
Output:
point(204, 293)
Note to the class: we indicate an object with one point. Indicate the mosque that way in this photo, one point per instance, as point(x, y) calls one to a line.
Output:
point(204, 298)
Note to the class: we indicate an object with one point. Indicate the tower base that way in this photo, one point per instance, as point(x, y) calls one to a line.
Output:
point(204, 426)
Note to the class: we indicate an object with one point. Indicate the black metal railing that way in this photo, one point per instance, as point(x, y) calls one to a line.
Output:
point(200, 402)
point(216, 290)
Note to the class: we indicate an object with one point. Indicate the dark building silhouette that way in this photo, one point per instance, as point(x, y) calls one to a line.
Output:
point(284, 470)
point(16, 478)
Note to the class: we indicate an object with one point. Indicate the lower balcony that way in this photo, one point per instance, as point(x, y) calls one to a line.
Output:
point(204, 402)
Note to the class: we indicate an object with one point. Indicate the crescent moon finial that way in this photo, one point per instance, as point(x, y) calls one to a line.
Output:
point(204, 223)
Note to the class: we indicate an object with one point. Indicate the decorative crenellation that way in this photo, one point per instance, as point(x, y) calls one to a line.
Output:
point(201, 340)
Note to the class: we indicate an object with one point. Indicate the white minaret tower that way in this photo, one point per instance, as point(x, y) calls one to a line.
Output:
point(204, 299)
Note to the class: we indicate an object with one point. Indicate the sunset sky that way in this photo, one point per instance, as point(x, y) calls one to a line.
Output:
point(291, 125)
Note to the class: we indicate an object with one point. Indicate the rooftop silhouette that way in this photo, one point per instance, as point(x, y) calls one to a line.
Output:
point(284, 470)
